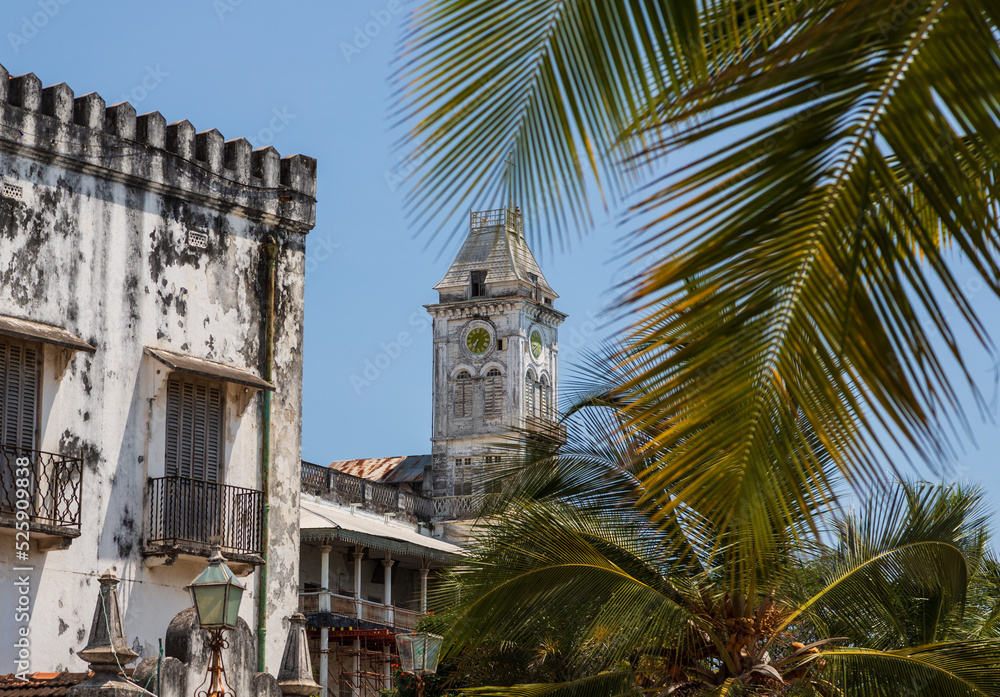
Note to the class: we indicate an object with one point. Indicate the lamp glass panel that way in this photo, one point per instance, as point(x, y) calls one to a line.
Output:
point(432, 652)
point(405, 644)
point(233, 605)
point(210, 602)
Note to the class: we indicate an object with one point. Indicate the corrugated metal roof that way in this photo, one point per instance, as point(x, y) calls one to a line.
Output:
point(504, 256)
point(386, 470)
point(317, 516)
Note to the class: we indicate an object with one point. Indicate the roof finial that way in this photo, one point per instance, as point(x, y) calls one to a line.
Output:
point(509, 178)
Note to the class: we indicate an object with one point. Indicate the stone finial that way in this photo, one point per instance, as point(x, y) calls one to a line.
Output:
point(295, 674)
point(108, 644)
point(108, 650)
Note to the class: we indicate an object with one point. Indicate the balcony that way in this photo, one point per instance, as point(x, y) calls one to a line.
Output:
point(346, 489)
point(399, 618)
point(47, 487)
point(188, 516)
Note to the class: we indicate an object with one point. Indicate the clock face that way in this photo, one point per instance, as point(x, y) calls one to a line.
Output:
point(478, 341)
point(536, 344)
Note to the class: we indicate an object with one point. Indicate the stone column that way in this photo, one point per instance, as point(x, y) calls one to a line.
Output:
point(387, 668)
point(387, 600)
point(424, 571)
point(356, 667)
point(295, 674)
point(324, 632)
point(107, 651)
point(358, 554)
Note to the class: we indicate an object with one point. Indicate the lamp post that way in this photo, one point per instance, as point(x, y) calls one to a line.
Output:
point(419, 653)
point(217, 594)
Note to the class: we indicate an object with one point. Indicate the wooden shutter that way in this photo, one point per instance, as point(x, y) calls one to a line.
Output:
point(493, 397)
point(194, 430)
point(463, 395)
point(529, 394)
point(544, 398)
point(19, 390)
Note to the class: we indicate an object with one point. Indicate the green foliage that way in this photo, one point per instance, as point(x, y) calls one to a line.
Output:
point(795, 274)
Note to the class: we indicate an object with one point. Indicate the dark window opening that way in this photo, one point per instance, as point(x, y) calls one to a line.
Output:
point(478, 284)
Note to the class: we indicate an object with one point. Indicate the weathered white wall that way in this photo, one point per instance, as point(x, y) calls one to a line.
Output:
point(98, 245)
point(512, 319)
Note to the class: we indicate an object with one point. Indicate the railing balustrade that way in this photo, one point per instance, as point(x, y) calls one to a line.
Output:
point(377, 613)
point(500, 217)
point(194, 512)
point(46, 486)
point(343, 488)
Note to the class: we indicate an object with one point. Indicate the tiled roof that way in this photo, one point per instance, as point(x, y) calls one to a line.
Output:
point(40, 684)
point(385, 470)
point(504, 256)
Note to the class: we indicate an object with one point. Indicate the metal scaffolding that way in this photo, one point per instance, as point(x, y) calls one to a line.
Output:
point(360, 664)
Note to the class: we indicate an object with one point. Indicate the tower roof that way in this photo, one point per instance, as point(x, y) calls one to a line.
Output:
point(496, 245)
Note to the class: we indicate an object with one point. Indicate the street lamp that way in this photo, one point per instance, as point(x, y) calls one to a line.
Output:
point(418, 654)
point(217, 594)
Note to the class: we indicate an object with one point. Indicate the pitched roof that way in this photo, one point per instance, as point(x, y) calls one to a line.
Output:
point(386, 470)
point(497, 247)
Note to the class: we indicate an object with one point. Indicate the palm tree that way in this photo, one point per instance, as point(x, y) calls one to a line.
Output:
point(638, 598)
point(841, 159)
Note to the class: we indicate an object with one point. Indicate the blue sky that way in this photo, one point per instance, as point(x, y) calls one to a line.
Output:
point(279, 74)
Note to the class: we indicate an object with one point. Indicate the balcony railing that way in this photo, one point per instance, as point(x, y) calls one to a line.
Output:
point(192, 515)
point(500, 217)
point(401, 618)
point(46, 486)
point(457, 507)
point(378, 498)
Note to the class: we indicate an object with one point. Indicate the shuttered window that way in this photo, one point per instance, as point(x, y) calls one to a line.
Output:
point(545, 398)
point(20, 378)
point(493, 396)
point(463, 394)
point(194, 429)
point(529, 394)
point(463, 476)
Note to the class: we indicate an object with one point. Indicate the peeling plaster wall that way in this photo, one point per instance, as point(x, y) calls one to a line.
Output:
point(108, 258)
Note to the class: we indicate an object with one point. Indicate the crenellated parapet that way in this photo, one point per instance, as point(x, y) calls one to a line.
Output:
point(51, 124)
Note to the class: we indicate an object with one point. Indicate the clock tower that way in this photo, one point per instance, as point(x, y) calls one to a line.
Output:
point(495, 351)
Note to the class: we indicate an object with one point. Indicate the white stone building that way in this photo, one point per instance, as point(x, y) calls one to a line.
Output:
point(151, 306)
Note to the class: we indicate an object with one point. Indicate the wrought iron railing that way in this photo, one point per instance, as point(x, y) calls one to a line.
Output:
point(500, 217)
point(186, 512)
point(46, 486)
point(379, 498)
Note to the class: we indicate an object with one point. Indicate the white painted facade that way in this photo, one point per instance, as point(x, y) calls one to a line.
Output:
point(134, 235)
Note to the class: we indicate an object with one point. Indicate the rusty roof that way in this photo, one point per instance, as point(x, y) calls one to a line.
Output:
point(40, 684)
point(386, 470)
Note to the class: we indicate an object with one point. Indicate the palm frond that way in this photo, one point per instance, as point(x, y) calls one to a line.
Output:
point(549, 83)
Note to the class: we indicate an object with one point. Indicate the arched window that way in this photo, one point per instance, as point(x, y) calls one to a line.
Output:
point(544, 398)
point(529, 394)
point(463, 394)
point(493, 395)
